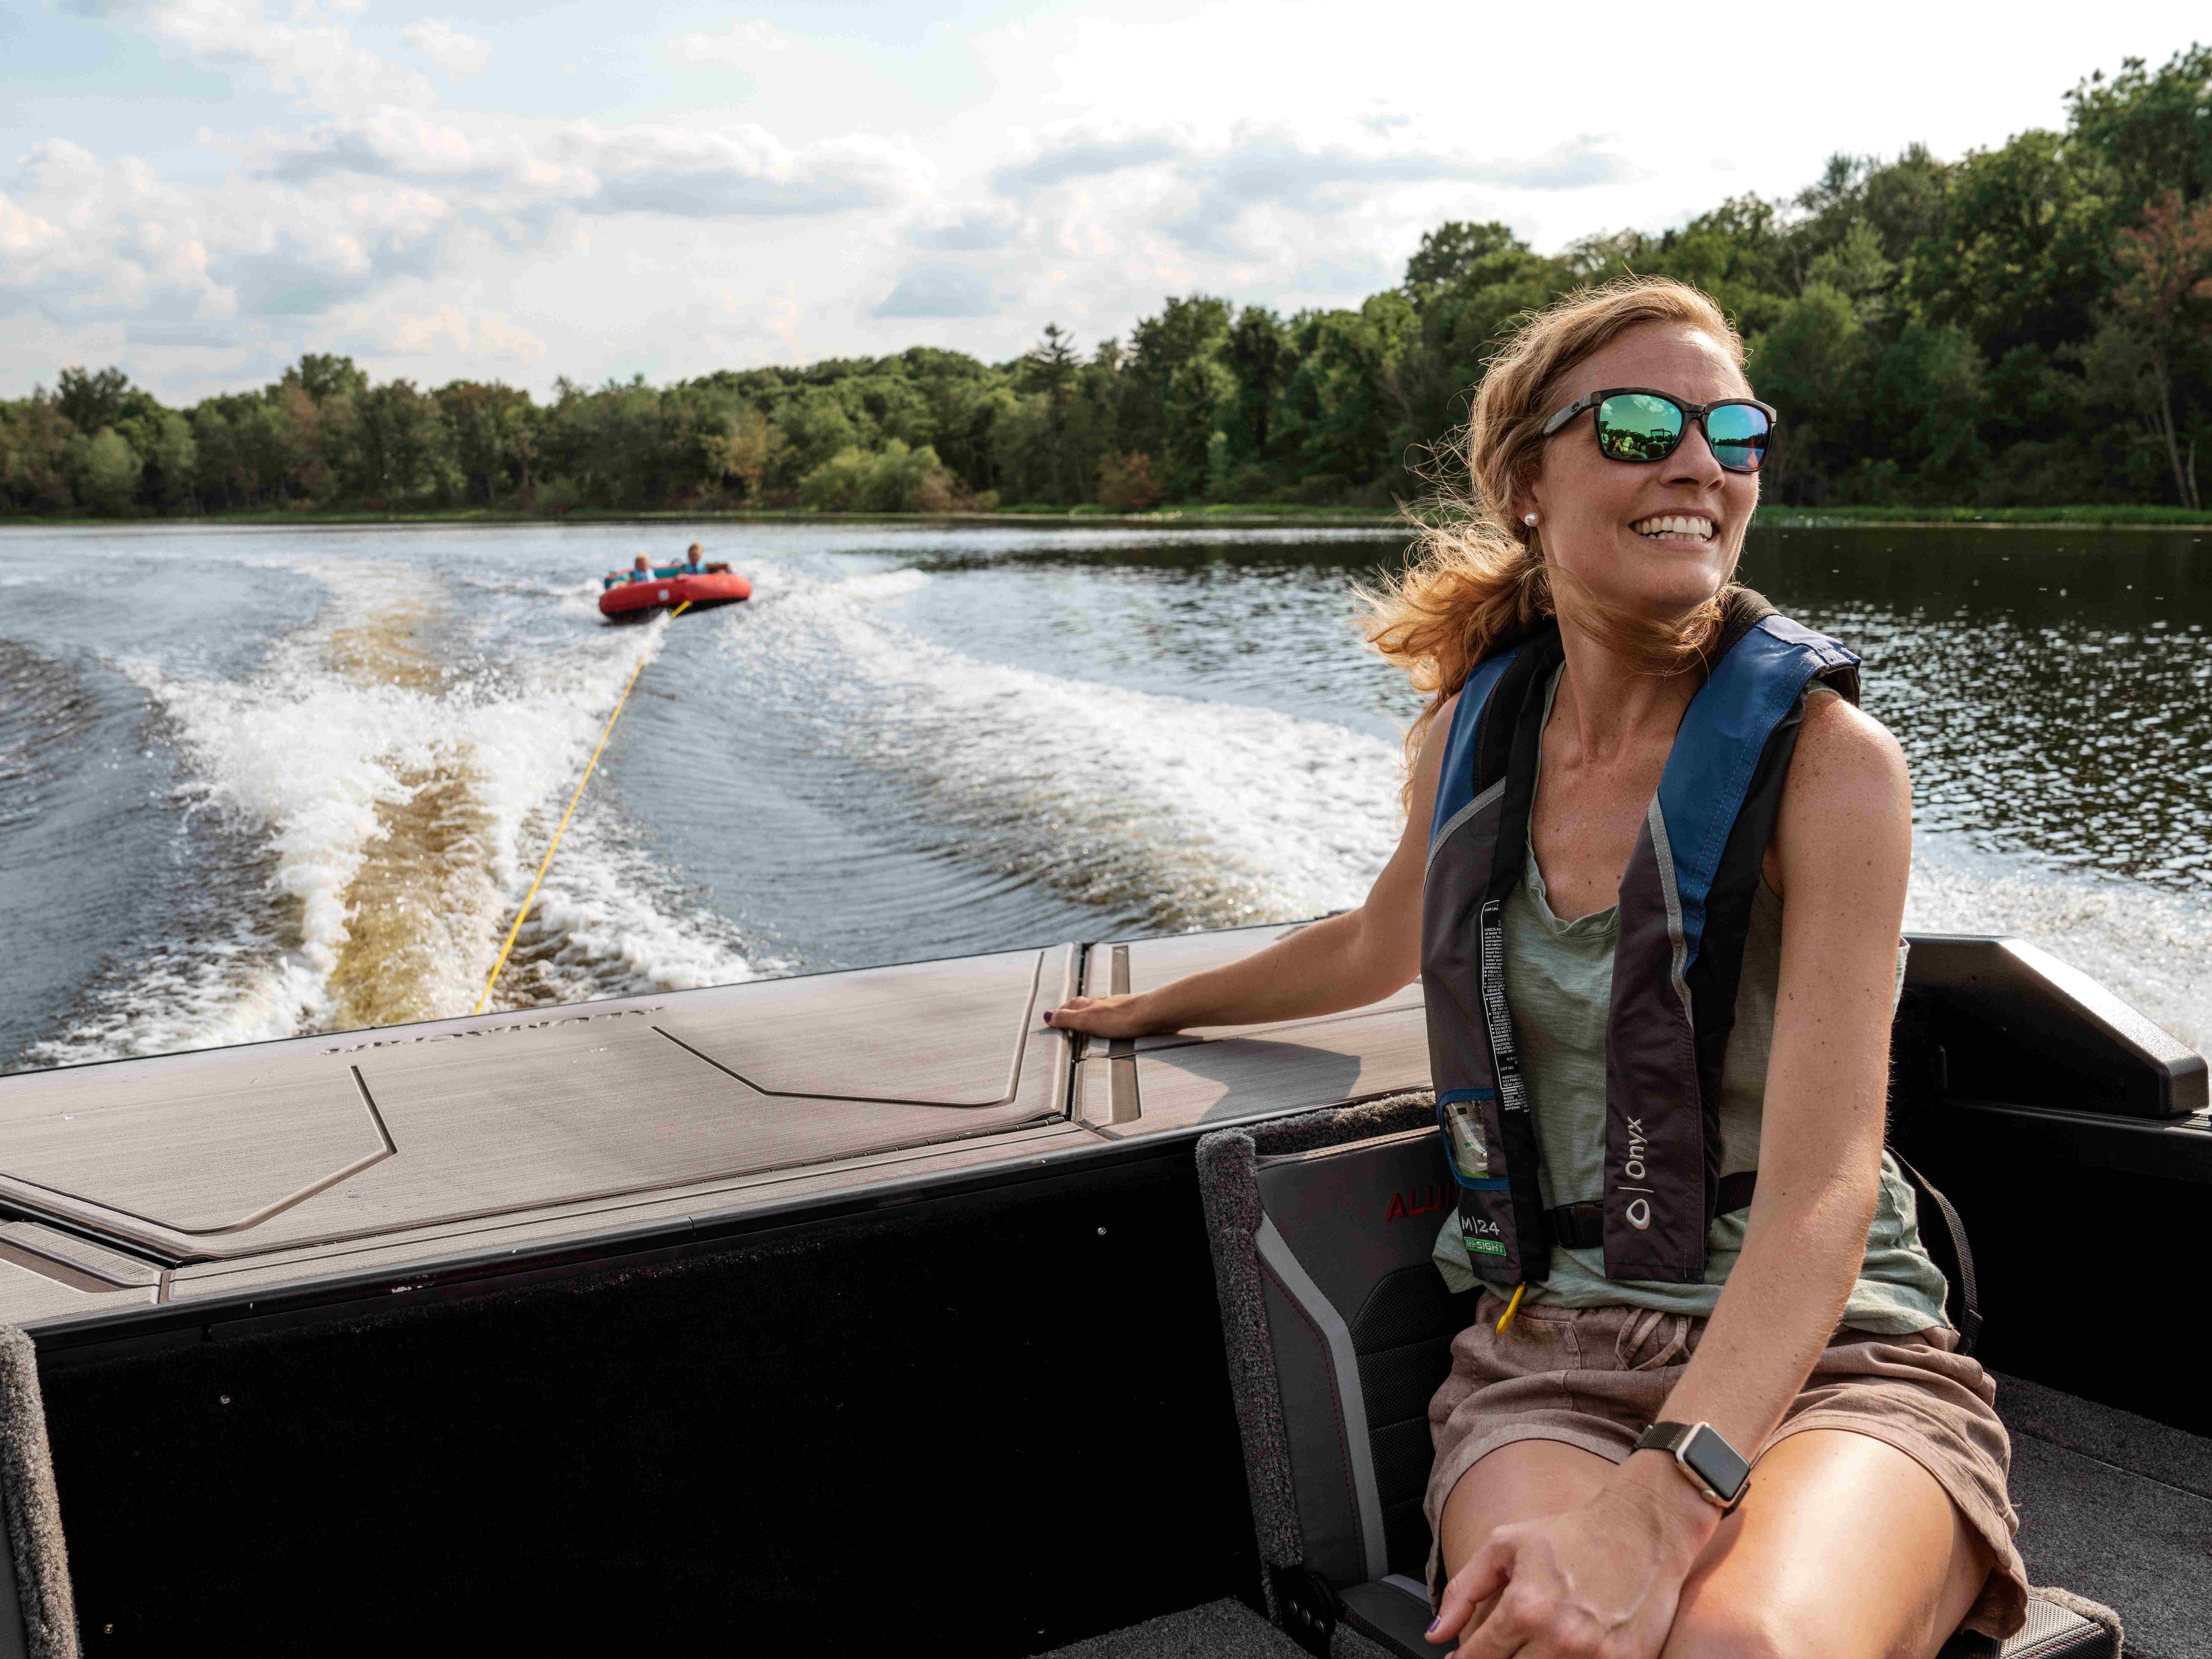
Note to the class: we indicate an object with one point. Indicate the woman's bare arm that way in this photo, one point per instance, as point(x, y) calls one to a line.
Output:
point(1844, 845)
point(1346, 961)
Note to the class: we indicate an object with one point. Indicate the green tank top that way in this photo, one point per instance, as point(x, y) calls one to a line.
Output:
point(1559, 977)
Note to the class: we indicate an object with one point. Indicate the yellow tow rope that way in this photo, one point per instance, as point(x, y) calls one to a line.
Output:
point(528, 897)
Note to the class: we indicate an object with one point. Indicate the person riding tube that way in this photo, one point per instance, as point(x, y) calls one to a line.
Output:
point(1652, 880)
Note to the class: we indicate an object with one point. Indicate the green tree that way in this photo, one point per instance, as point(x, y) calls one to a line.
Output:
point(2152, 128)
point(322, 377)
point(89, 402)
point(1808, 366)
point(2164, 303)
point(2024, 258)
point(171, 462)
point(1259, 355)
point(1050, 368)
point(109, 479)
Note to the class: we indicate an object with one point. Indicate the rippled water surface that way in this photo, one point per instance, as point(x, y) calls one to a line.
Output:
point(256, 782)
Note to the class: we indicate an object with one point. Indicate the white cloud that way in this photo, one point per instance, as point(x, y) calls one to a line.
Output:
point(888, 188)
point(458, 54)
point(446, 330)
point(736, 171)
point(90, 240)
point(297, 51)
point(935, 290)
point(739, 172)
point(740, 46)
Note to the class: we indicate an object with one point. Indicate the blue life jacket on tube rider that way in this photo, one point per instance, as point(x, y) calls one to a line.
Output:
point(1686, 902)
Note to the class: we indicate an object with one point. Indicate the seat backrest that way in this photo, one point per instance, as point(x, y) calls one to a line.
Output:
point(1338, 1327)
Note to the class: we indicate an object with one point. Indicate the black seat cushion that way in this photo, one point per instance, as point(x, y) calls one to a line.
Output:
point(1402, 1336)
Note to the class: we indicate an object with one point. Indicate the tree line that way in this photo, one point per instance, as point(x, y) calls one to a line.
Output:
point(2030, 324)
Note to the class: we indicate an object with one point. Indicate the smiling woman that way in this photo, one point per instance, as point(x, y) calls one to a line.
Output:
point(1652, 880)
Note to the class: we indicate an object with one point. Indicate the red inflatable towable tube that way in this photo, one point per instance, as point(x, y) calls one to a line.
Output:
point(624, 599)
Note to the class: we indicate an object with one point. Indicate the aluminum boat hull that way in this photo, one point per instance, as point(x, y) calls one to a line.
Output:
point(861, 1302)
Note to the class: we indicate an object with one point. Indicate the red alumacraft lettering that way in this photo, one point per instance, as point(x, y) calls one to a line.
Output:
point(1417, 1202)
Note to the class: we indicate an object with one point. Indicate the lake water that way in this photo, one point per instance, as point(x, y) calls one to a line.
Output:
point(261, 782)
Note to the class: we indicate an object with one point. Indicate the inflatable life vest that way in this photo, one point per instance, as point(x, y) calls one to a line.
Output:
point(1686, 902)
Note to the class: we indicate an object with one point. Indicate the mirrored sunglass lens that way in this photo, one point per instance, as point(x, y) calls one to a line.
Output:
point(1636, 427)
point(1738, 433)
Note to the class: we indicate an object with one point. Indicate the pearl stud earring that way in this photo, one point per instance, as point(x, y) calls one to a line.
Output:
point(1528, 518)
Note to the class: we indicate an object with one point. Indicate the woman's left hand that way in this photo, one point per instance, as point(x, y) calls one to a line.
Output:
point(1601, 1582)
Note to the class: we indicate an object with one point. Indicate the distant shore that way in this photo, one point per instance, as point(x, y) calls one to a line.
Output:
point(1210, 515)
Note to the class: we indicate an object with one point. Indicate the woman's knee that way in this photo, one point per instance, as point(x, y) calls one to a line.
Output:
point(1728, 1627)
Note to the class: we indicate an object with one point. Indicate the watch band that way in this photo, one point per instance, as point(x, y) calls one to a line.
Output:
point(1715, 1468)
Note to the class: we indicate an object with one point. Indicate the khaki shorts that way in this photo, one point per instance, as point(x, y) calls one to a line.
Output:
point(1597, 1377)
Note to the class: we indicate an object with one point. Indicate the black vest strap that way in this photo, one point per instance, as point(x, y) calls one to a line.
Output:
point(1581, 1226)
point(1966, 1309)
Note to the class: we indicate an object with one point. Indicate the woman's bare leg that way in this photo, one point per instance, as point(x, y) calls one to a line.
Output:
point(1848, 1548)
point(1845, 1549)
point(1522, 1480)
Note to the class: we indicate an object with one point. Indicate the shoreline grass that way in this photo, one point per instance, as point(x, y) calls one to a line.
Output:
point(1207, 516)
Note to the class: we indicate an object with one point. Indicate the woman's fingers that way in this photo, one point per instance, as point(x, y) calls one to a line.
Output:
point(1513, 1625)
point(1481, 1580)
point(1098, 1016)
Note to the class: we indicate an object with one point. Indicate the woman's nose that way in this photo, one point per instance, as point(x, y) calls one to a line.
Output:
point(1692, 461)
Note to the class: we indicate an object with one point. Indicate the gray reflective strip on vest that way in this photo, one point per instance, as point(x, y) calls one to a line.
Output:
point(1275, 1250)
point(1678, 965)
point(1452, 824)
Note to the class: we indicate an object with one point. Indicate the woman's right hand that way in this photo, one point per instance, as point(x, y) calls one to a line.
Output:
point(1105, 1017)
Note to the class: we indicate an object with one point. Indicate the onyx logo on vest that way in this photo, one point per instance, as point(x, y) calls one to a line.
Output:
point(1638, 1211)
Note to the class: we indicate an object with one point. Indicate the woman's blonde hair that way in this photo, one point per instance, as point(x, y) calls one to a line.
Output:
point(1475, 576)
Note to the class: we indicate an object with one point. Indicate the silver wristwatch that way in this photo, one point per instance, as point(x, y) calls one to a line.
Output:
point(1715, 1468)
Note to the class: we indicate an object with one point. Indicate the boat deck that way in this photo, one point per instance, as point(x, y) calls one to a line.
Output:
point(626, 1231)
point(2112, 1506)
point(2115, 1507)
point(241, 1171)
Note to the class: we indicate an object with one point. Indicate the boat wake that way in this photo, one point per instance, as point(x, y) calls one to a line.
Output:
point(2150, 945)
point(45, 710)
point(1160, 811)
point(390, 790)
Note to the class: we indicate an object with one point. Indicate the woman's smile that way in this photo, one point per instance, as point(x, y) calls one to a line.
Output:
point(1692, 529)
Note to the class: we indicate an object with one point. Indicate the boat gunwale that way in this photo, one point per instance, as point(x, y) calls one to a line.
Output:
point(100, 1333)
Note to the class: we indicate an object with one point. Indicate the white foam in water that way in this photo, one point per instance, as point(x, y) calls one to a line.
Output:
point(303, 755)
point(598, 940)
point(1231, 813)
point(1197, 814)
point(2151, 946)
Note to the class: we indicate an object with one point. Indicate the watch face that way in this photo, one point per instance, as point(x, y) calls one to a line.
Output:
point(1714, 1461)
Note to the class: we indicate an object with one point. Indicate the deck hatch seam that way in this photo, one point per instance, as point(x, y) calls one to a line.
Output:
point(1013, 1076)
point(386, 1148)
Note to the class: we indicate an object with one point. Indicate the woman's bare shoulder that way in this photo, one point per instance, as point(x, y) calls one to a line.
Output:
point(1428, 766)
point(1843, 751)
point(1847, 807)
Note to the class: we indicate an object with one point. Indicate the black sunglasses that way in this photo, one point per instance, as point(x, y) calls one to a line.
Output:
point(1635, 423)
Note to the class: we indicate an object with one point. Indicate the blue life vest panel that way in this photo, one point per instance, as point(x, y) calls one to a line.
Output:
point(1685, 901)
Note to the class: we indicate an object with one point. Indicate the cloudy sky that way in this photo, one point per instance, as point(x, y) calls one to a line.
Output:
point(199, 190)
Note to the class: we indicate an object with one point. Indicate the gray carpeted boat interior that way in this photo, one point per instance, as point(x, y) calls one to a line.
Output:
point(1219, 1630)
point(33, 1564)
point(2113, 1506)
point(2118, 1507)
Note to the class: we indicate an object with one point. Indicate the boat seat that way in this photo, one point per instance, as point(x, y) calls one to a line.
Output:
point(1339, 1329)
